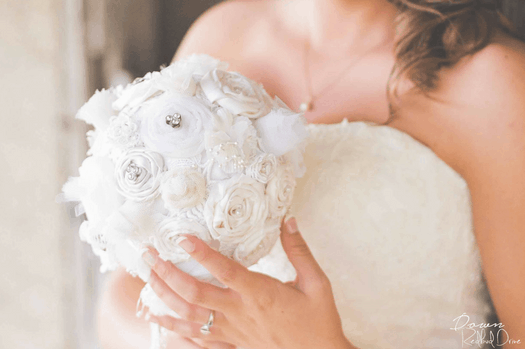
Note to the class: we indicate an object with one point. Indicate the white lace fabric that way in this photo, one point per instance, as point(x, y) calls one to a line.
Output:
point(390, 223)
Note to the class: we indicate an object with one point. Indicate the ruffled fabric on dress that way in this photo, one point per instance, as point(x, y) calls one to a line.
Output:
point(391, 225)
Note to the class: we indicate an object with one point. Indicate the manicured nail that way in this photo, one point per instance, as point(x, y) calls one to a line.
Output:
point(149, 258)
point(186, 244)
point(291, 225)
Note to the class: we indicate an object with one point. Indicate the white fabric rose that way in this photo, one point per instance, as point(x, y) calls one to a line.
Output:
point(280, 190)
point(245, 134)
point(92, 234)
point(175, 78)
point(182, 187)
point(99, 145)
point(199, 64)
point(223, 120)
point(128, 230)
point(295, 158)
point(184, 141)
point(137, 92)
point(129, 255)
point(165, 239)
point(138, 174)
point(236, 209)
point(281, 131)
point(250, 251)
point(235, 92)
point(225, 152)
point(123, 131)
point(263, 168)
point(95, 187)
point(98, 109)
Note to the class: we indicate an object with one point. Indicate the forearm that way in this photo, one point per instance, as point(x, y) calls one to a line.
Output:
point(117, 325)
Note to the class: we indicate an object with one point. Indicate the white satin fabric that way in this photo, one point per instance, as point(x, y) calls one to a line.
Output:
point(390, 223)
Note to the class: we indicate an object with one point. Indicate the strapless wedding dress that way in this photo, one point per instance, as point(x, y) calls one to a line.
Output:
point(390, 223)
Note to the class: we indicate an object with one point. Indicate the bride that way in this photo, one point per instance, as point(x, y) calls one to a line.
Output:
point(412, 207)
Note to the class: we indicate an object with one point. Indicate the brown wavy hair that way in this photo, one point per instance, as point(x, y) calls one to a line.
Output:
point(437, 33)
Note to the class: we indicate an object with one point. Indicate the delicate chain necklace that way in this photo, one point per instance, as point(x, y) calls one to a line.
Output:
point(308, 105)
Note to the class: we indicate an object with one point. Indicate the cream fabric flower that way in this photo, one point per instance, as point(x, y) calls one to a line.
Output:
point(225, 152)
point(235, 210)
point(257, 246)
point(138, 174)
point(182, 187)
point(280, 190)
point(245, 134)
point(235, 92)
point(263, 168)
point(170, 230)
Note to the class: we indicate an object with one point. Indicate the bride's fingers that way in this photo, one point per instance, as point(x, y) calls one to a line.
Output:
point(185, 310)
point(214, 345)
point(188, 329)
point(291, 283)
point(310, 276)
point(188, 287)
point(229, 272)
point(187, 343)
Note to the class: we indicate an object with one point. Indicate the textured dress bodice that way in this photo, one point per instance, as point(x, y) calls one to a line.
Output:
point(390, 223)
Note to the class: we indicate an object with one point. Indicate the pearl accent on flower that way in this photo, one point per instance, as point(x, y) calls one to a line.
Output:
point(229, 157)
point(237, 211)
point(133, 171)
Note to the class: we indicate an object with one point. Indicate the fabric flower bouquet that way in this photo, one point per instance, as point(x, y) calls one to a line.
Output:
point(191, 149)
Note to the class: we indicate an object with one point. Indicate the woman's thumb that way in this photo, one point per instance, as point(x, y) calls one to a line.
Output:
point(309, 273)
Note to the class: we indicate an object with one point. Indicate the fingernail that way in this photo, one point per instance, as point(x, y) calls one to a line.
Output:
point(291, 225)
point(149, 258)
point(186, 244)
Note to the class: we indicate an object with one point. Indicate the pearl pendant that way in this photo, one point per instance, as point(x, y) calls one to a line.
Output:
point(305, 106)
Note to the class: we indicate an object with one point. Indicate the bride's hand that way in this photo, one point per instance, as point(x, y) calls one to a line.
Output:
point(255, 311)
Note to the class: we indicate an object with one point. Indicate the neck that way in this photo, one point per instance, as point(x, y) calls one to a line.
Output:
point(348, 24)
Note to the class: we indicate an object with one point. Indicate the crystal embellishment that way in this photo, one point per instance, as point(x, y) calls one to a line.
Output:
point(174, 120)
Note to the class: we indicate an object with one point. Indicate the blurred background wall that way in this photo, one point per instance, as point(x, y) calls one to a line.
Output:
point(32, 297)
point(53, 55)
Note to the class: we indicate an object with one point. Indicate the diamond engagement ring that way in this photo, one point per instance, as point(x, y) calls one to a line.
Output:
point(205, 329)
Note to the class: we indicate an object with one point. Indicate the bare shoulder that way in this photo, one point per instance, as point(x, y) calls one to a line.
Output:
point(483, 134)
point(225, 29)
point(479, 102)
point(490, 77)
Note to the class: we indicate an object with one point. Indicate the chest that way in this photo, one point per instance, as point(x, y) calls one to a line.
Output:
point(341, 88)
point(357, 93)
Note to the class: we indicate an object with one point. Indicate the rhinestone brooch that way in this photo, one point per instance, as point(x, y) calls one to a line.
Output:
point(174, 120)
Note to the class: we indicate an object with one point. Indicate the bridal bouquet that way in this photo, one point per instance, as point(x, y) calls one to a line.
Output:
point(190, 149)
